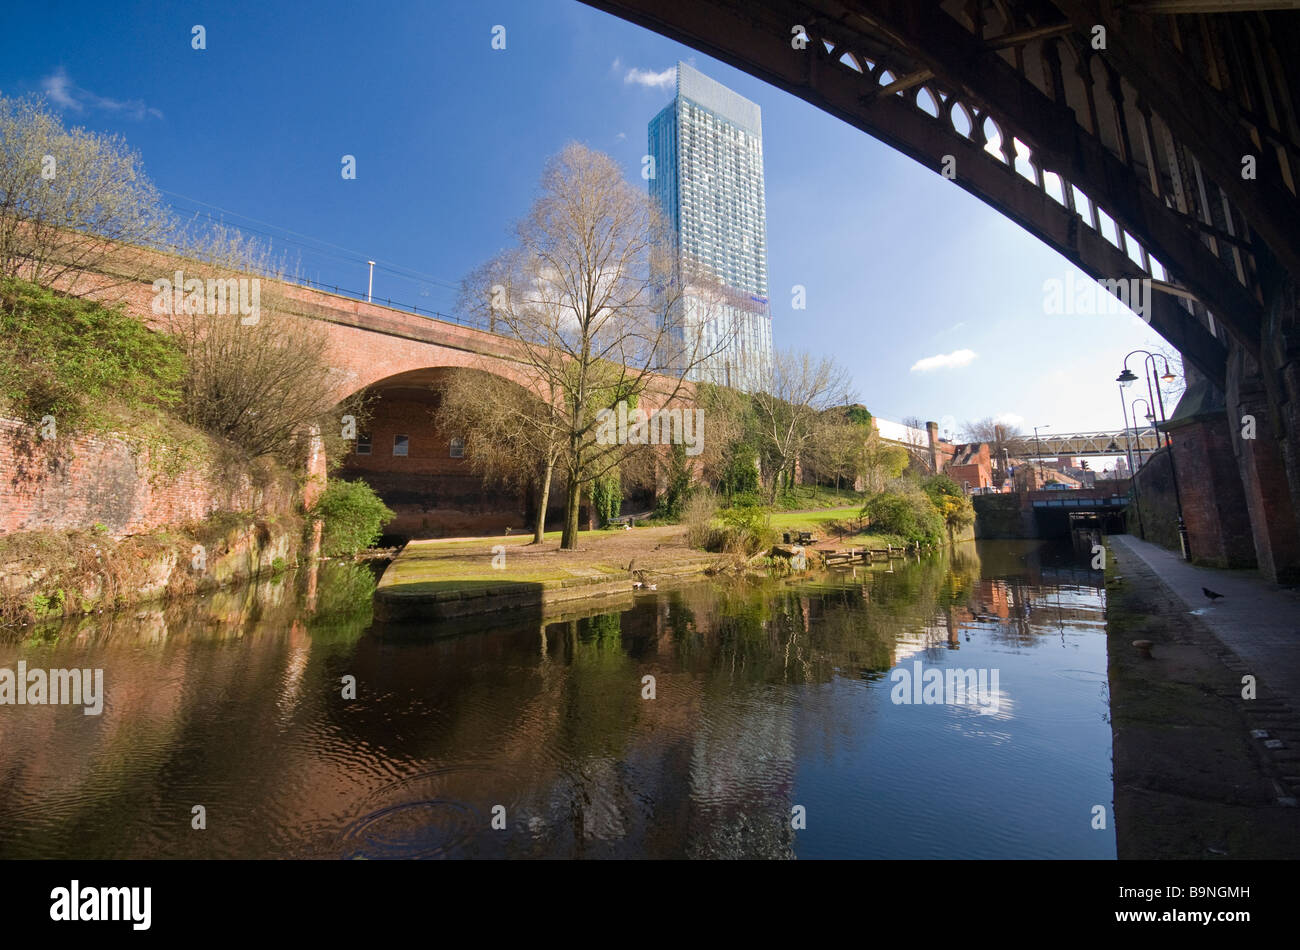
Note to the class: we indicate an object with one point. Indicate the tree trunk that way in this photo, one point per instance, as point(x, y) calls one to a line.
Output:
point(539, 532)
point(572, 502)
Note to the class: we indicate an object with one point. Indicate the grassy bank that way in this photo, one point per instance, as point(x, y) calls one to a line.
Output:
point(437, 579)
point(842, 527)
point(809, 497)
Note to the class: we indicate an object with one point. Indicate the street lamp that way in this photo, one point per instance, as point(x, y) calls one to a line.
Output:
point(1125, 380)
point(1124, 383)
point(1039, 453)
point(1150, 419)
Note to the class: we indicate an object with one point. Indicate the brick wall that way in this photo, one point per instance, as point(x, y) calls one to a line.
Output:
point(1002, 516)
point(77, 482)
point(433, 493)
point(1261, 465)
point(1214, 503)
point(971, 466)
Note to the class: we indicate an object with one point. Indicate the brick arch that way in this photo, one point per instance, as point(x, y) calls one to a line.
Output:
point(408, 460)
point(369, 343)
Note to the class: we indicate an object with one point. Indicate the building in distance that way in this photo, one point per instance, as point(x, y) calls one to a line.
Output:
point(707, 147)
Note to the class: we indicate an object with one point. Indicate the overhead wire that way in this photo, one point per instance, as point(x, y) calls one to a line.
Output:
point(352, 255)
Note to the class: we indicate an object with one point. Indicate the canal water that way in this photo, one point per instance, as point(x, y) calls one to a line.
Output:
point(759, 719)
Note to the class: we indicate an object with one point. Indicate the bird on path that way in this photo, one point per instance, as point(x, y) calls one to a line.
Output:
point(1210, 594)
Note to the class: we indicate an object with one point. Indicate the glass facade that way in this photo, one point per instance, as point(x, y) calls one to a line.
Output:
point(707, 146)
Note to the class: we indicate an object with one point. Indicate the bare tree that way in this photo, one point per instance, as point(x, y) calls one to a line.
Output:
point(882, 462)
point(731, 432)
point(261, 387)
point(990, 430)
point(836, 447)
point(594, 298)
point(258, 365)
point(1171, 391)
point(69, 199)
point(511, 437)
point(997, 435)
point(802, 387)
point(917, 443)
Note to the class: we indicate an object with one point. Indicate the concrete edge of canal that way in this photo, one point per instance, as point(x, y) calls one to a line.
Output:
point(452, 600)
point(1190, 779)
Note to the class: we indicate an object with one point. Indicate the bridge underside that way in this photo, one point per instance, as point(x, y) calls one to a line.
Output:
point(426, 474)
point(414, 467)
point(1142, 140)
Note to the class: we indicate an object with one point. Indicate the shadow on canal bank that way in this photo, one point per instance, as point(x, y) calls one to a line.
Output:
point(1190, 779)
point(452, 600)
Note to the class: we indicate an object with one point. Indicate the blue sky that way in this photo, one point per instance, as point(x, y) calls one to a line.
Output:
point(450, 136)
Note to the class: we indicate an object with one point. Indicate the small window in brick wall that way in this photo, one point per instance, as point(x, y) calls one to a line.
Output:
point(363, 445)
point(400, 444)
point(457, 448)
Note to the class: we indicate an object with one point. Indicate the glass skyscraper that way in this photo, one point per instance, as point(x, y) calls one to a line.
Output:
point(707, 146)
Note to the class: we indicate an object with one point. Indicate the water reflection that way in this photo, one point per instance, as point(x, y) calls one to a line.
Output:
point(767, 696)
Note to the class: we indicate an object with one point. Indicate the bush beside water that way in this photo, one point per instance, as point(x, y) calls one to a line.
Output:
point(352, 516)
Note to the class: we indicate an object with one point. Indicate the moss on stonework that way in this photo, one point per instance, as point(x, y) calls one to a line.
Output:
point(55, 574)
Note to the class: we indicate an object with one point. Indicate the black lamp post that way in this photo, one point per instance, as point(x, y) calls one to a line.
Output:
point(1134, 415)
point(1128, 446)
point(1126, 379)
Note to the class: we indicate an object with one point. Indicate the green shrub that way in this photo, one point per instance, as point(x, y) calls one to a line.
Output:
point(739, 474)
point(950, 502)
point(352, 516)
point(747, 499)
point(607, 497)
point(906, 512)
point(671, 503)
point(747, 529)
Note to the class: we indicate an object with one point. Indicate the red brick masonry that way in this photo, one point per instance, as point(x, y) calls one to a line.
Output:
point(79, 481)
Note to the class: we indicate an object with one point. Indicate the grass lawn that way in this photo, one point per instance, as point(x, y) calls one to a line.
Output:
point(825, 525)
point(804, 497)
point(466, 564)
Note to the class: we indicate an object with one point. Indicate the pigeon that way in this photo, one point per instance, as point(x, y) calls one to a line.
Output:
point(1210, 594)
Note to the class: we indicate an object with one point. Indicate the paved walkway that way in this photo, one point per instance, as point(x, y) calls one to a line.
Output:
point(1255, 619)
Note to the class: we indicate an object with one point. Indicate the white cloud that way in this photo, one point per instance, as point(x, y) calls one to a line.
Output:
point(1010, 419)
point(58, 87)
point(944, 361)
point(63, 92)
point(620, 137)
point(644, 77)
